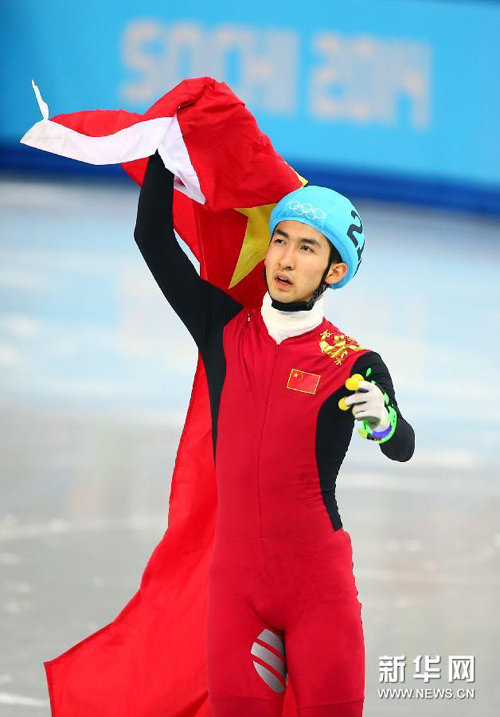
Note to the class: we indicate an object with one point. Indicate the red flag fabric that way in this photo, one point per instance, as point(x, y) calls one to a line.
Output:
point(150, 660)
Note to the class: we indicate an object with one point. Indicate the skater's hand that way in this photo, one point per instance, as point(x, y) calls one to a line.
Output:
point(368, 405)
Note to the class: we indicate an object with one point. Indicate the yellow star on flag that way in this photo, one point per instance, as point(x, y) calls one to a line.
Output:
point(256, 239)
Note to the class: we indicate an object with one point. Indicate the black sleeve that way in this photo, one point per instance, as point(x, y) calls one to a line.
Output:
point(401, 445)
point(201, 306)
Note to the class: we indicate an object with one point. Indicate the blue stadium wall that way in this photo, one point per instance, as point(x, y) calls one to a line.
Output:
point(393, 100)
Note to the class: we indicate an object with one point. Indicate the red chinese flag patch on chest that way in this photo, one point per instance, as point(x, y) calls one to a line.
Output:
point(303, 381)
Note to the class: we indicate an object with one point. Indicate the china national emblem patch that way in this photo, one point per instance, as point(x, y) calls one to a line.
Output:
point(342, 345)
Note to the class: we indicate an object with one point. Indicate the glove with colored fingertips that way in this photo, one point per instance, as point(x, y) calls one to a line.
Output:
point(369, 405)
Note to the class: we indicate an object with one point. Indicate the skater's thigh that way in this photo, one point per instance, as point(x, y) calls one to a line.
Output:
point(339, 709)
point(246, 667)
point(325, 654)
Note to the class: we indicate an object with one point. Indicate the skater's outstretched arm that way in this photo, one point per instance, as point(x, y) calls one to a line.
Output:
point(201, 306)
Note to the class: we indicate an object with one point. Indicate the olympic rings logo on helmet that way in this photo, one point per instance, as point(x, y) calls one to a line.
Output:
point(306, 210)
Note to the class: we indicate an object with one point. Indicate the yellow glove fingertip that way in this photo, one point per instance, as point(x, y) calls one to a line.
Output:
point(342, 404)
point(352, 383)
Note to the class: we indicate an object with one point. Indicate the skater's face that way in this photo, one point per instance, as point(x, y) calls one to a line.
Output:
point(299, 253)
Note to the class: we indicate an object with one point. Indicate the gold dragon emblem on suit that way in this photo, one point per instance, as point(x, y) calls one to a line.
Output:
point(342, 345)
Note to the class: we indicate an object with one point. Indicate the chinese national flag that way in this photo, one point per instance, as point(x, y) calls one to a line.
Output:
point(150, 660)
point(303, 381)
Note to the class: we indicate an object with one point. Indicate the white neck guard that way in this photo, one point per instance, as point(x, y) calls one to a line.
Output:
point(282, 324)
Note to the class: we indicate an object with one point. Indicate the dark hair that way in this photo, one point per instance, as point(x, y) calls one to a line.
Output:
point(334, 255)
point(334, 258)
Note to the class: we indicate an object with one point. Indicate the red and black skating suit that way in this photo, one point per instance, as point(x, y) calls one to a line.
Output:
point(282, 596)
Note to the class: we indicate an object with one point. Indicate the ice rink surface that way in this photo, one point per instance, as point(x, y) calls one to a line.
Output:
point(95, 380)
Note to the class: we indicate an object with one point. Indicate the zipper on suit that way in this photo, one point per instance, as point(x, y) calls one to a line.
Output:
point(264, 418)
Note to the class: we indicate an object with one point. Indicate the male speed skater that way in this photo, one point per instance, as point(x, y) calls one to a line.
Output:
point(283, 601)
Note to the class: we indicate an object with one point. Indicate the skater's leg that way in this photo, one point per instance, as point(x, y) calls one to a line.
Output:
point(340, 709)
point(246, 666)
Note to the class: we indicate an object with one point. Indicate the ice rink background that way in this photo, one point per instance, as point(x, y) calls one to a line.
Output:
point(95, 379)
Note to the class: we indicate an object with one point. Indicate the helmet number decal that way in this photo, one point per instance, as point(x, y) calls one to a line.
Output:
point(356, 229)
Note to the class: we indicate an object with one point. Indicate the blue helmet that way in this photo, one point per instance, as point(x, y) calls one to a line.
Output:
point(330, 213)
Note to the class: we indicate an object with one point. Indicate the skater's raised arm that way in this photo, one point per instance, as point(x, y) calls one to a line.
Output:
point(201, 306)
